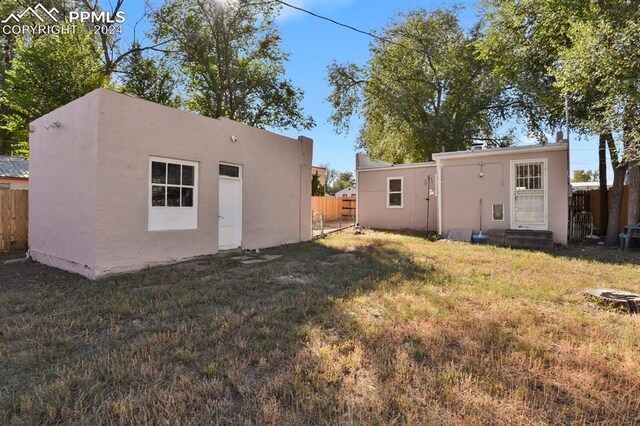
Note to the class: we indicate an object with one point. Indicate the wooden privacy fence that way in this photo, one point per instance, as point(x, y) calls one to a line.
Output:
point(334, 207)
point(590, 201)
point(14, 219)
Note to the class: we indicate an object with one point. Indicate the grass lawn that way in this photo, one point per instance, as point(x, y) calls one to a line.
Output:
point(379, 328)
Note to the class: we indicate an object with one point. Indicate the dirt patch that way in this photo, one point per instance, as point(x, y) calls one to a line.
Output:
point(30, 274)
point(294, 278)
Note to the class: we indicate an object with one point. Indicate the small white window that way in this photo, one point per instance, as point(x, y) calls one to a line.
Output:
point(173, 194)
point(394, 192)
point(498, 212)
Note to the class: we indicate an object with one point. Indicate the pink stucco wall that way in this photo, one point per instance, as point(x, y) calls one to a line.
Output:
point(126, 132)
point(372, 208)
point(62, 187)
point(460, 188)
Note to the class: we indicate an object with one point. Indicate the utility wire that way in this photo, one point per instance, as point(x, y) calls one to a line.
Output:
point(333, 21)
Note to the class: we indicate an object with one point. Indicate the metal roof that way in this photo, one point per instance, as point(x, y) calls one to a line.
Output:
point(14, 167)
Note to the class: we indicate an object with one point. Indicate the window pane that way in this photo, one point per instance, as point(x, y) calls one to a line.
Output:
point(395, 199)
point(498, 212)
point(187, 197)
point(227, 170)
point(187, 175)
point(157, 195)
point(158, 172)
point(173, 196)
point(395, 185)
point(173, 174)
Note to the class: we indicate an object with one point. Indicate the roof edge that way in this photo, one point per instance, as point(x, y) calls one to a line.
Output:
point(557, 146)
point(398, 166)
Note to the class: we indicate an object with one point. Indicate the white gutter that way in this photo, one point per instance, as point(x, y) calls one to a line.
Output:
point(439, 197)
point(357, 200)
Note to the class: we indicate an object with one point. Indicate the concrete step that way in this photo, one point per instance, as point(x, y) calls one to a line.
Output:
point(496, 237)
point(528, 238)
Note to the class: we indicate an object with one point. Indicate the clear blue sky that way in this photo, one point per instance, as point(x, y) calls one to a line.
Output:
point(313, 44)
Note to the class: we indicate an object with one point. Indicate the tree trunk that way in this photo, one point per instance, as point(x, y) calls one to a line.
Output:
point(604, 194)
point(615, 194)
point(634, 194)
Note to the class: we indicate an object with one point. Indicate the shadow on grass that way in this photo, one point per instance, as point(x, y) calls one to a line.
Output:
point(601, 254)
point(360, 334)
point(175, 344)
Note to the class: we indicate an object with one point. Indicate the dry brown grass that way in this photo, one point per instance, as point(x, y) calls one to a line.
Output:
point(401, 331)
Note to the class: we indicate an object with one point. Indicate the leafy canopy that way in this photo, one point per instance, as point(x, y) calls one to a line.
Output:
point(231, 55)
point(422, 90)
point(46, 73)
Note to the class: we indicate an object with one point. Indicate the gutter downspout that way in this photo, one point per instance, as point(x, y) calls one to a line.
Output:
point(569, 190)
point(439, 196)
point(357, 197)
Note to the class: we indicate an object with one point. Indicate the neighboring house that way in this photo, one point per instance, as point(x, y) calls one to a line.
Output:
point(517, 188)
point(14, 172)
point(119, 183)
point(321, 172)
point(349, 191)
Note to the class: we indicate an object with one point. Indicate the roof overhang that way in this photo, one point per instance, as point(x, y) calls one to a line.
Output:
point(559, 146)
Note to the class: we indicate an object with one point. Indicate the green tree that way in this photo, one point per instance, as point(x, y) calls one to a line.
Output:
point(231, 55)
point(584, 50)
point(603, 55)
point(422, 89)
point(46, 73)
point(341, 181)
point(8, 42)
point(585, 176)
point(317, 189)
point(149, 78)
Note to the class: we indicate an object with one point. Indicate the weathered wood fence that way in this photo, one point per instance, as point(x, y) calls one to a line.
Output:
point(334, 207)
point(590, 201)
point(14, 219)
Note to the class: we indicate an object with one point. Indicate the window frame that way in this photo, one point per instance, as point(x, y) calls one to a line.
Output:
point(172, 218)
point(238, 166)
point(544, 175)
point(493, 216)
point(401, 192)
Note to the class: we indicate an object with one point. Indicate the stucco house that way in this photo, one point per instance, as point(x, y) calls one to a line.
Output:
point(14, 172)
point(119, 183)
point(349, 191)
point(522, 191)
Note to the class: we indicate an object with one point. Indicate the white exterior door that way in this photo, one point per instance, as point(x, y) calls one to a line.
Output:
point(529, 205)
point(229, 208)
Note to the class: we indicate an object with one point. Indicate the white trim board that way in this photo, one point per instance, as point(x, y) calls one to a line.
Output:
point(545, 184)
point(501, 151)
point(389, 179)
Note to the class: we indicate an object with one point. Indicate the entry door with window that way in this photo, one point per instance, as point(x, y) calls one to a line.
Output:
point(229, 207)
point(529, 194)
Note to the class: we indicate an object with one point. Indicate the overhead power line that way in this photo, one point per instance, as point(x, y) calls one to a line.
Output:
point(352, 28)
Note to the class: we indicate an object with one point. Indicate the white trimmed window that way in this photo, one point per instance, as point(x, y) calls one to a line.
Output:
point(497, 212)
point(394, 192)
point(173, 194)
point(529, 203)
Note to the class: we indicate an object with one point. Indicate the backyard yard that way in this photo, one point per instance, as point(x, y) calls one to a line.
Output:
point(379, 328)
